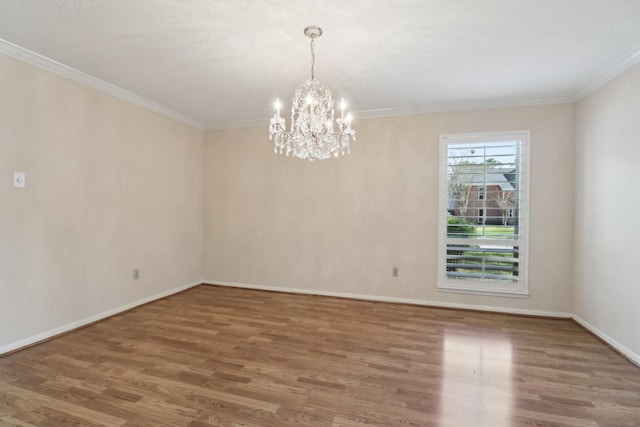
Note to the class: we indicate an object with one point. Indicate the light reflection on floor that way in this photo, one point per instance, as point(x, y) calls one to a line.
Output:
point(476, 383)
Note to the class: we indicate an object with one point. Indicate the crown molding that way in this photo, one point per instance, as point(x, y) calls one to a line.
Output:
point(619, 67)
point(463, 106)
point(242, 124)
point(37, 60)
point(423, 109)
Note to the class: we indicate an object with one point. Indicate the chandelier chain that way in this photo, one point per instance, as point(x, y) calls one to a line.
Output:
point(313, 59)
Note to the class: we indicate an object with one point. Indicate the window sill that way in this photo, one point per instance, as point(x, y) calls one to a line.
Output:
point(509, 293)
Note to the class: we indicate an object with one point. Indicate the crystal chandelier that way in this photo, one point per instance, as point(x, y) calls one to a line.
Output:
point(312, 135)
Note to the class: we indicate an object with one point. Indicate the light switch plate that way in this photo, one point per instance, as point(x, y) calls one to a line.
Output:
point(19, 179)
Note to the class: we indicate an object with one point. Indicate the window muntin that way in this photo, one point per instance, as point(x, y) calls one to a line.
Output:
point(483, 213)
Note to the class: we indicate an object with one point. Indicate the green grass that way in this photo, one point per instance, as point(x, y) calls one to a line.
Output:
point(495, 231)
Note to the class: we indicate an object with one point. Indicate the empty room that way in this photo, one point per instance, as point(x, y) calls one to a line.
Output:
point(319, 213)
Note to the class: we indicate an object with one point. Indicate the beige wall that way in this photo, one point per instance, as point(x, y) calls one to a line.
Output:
point(341, 225)
point(110, 187)
point(607, 288)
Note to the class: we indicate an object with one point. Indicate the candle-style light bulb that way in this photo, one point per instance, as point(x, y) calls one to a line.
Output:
point(343, 105)
point(277, 106)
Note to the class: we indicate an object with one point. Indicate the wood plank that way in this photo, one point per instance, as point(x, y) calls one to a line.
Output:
point(217, 356)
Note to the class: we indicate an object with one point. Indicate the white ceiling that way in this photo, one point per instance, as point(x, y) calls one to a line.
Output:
point(221, 63)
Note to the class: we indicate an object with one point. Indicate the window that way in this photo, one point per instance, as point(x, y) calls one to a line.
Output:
point(483, 226)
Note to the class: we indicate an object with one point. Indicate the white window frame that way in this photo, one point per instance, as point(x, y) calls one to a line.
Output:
point(487, 286)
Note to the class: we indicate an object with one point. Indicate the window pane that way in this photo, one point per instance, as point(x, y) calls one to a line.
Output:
point(483, 183)
point(487, 263)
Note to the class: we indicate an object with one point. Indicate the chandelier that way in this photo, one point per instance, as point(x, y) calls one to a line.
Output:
point(312, 135)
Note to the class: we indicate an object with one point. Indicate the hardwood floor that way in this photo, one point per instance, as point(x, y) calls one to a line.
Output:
point(233, 357)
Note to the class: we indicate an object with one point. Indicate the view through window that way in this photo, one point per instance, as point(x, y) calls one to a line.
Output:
point(483, 212)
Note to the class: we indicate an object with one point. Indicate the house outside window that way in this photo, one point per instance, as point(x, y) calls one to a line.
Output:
point(483, 230)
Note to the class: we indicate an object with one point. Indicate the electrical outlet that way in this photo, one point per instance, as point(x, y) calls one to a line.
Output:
point(136, 273)
point(394, 272)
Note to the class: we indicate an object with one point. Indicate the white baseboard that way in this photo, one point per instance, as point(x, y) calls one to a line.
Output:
point(440, 304)
point(78, 324)
point(631, 355)
point(626, 352)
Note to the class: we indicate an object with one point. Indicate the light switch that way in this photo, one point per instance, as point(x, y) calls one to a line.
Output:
point(19, 179)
